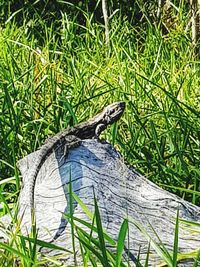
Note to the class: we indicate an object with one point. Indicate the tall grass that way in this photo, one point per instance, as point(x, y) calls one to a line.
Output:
point(71, 77)
point(96, 246)
point(51, 79)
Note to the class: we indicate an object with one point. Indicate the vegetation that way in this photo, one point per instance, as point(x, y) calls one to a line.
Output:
point(57, 72)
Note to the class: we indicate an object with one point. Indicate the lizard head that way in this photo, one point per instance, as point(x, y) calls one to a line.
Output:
point(113, 112)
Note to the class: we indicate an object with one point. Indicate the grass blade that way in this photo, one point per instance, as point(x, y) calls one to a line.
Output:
point(100, 234)
point(175, 248)
point(83, 206)
point(71, 208)
point(42, 243)
point(197, 260)
point(121, 240)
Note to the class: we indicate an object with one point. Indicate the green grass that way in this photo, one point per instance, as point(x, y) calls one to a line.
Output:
point(94, 242)
point(53, 78)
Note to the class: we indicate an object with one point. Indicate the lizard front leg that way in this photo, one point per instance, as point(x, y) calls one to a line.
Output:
point(103, 125)
point(100, 128)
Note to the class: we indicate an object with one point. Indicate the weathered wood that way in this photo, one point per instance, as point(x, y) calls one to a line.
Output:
point(119, 191)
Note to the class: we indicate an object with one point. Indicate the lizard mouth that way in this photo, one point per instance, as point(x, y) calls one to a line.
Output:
point(122, 105)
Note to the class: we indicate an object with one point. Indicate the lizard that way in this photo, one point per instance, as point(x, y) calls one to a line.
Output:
point(71, 138)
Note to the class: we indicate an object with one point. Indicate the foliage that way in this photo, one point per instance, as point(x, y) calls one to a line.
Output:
point(55, 71)
point(137, 12)
point(96, 246)
point(69, 79)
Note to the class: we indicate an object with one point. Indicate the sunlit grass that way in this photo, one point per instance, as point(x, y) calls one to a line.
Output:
point(45, 89)
point(52, 79)
point(97, 247)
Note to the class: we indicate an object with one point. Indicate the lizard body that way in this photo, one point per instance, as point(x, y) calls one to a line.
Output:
point(72, 138)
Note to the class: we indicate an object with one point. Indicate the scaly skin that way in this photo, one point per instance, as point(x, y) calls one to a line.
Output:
point(72, 138)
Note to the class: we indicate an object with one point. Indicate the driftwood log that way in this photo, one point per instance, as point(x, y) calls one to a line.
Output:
point(97, 167)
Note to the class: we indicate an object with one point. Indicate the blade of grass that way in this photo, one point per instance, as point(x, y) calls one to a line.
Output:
point(147, 257)
point(71, 217)
point(100, 234)
point(45, 244)
point(197, 260)
point(83, 206)
point(175, 248)
point(81, 238)
point(120, 242)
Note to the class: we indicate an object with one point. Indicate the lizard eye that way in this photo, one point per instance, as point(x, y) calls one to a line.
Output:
point(111, 111)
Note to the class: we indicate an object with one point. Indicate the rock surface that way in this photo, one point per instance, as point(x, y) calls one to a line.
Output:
point(120, 192)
